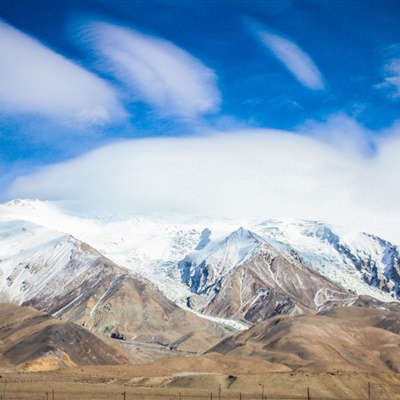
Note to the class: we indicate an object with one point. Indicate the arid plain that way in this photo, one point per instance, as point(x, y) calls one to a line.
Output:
point(347, 353)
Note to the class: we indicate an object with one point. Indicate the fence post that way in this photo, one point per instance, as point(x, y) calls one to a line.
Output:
point(308, 394)
point(369, 390)
point(211, 396)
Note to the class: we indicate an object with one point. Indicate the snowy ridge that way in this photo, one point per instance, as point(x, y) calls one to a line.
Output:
point(33, 261)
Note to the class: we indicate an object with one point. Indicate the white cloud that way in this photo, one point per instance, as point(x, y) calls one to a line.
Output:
point(391, 81)
point(36, 80)
point(294, 59)
point(245, 174)
point(341, 132)
point(155, 70)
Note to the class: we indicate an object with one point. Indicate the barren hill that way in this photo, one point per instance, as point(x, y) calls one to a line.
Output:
point(33, 340)
point(343, 339)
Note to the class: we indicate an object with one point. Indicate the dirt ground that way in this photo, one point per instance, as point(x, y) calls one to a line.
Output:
point(135, 382)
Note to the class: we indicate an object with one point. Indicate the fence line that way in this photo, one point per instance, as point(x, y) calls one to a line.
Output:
point(11, 392)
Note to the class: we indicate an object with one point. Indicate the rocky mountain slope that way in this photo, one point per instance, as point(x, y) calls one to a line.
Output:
point(58, 274)
point(244, 276)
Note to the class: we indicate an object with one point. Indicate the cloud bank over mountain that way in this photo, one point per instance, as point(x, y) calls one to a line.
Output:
point(249, 173)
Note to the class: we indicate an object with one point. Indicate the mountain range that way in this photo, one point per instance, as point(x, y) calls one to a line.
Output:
point(186, 283)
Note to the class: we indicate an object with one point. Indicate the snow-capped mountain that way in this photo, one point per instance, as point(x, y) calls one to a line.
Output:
point(246, 270)
point(67, 278)
point(209, 262)
point(246, 276)
point(358, 261)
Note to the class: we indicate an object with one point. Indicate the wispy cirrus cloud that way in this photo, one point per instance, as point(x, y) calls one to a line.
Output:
point(154, 70)
point(298, 63)
point(36, 80)
point(391, 76)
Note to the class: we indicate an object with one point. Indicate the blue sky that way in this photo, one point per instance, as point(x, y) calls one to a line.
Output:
point(79, 78)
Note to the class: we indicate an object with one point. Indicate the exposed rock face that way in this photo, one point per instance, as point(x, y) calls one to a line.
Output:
point(342, 339)
point(32, 340)
point(117, 335)
point(386, 279)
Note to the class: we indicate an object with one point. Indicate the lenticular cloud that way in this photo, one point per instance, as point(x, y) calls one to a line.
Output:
point(155, 70)
point(294, 59)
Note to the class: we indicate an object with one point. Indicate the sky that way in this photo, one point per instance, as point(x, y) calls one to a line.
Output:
point(237, 109)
